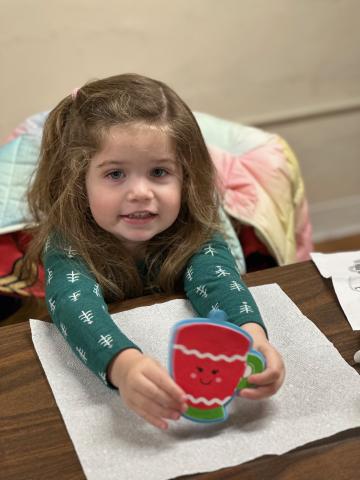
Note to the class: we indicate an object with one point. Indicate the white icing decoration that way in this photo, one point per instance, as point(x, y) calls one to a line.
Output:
point(213, 357)
point(207, 402)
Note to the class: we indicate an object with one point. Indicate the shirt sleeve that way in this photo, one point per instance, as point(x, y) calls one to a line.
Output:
point(212, 282)
point(77, 307)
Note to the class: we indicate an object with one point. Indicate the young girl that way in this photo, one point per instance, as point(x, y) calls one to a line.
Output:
point(125, 202)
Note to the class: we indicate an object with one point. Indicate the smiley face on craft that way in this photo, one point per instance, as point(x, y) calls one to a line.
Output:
point(210, 379)
point(206, 376)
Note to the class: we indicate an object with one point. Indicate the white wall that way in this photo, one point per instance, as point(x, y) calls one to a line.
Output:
point(266, 62)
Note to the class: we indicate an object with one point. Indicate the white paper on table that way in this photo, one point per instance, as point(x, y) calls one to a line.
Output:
point(320, 397)
point(344, 270)
point(341, 264)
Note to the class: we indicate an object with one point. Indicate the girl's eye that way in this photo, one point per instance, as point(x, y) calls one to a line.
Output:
point(159, 172)
point(116, 175)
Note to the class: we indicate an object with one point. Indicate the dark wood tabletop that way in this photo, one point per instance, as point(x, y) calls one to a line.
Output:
point(34, 443)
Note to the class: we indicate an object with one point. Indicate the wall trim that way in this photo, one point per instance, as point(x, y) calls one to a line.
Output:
point(334, 219)
point(303, 114)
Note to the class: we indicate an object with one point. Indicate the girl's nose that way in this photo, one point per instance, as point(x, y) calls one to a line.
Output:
point(140, 189)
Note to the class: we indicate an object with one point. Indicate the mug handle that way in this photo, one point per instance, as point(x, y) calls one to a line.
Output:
point(255, 363)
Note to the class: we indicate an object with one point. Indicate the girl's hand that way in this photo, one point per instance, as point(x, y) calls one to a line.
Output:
point(270, 380)
point(147, 388)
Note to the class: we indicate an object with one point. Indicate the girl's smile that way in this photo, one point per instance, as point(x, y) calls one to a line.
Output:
point(138, 218)
point(134, 184)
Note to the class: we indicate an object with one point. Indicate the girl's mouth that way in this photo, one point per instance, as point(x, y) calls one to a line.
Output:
point(138, 218)
point(139, 215)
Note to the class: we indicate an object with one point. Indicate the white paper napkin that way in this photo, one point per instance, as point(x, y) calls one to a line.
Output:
point(321, 396)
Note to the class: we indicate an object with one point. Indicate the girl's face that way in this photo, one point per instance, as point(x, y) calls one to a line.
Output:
point(134, 184)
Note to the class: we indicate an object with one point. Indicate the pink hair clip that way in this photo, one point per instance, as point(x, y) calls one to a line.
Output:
point(74, 93)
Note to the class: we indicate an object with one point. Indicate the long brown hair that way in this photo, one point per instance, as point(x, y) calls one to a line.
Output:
point(74, 131)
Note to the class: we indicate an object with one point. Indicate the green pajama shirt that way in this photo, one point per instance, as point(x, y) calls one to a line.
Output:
point(77, 306)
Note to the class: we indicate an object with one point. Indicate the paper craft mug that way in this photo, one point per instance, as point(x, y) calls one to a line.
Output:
point(210, 359)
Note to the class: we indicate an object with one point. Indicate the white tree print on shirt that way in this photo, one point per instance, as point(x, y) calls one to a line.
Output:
point(50, 275)
point(82, 354)
point(106, 341)
point(189, 273)
point(245, 308)
point(75, 296)
point(96, 289)
point(70, 252)
point(236, 286)
point(209, 250)
point(47, 245)
point(221, 272)
point(73, 277)
point(87, 317)
point(52, 304)
point(215, 308)
point(63, 329)
point(201, 291)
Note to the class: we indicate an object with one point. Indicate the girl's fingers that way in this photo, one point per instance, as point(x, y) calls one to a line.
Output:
point(165, 383)
point(155, 421)
point(275, 370)
point(159, 377)
point(273, 358)
point(152, 392)
point(258, 393)
point(270, 380)
point(267, 383)
point(266, 377)
point(154, 409)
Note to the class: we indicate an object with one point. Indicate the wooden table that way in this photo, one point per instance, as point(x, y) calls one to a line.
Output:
point(34, 443)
